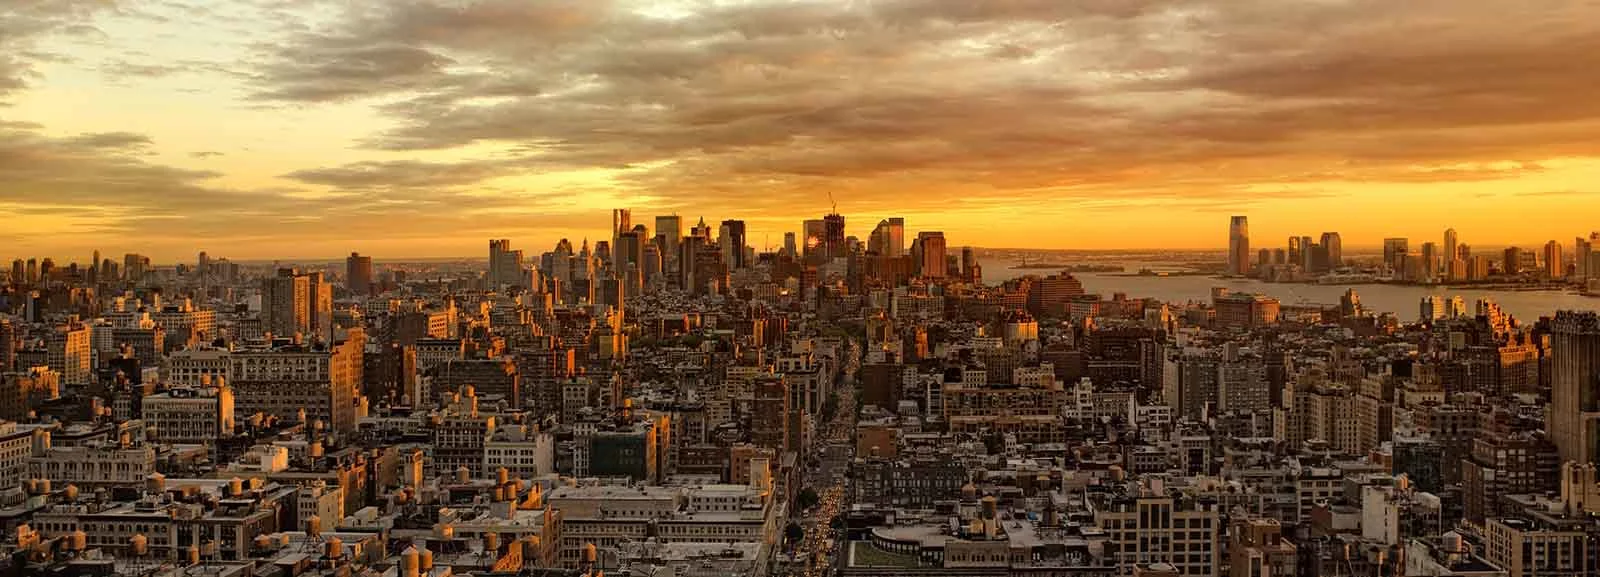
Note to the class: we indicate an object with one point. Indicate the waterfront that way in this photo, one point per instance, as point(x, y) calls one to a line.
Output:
point(1399, 299)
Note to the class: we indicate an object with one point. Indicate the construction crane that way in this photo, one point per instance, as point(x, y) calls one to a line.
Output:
point(831, 202)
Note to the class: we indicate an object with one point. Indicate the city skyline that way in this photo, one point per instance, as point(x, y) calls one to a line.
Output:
point(417, 128)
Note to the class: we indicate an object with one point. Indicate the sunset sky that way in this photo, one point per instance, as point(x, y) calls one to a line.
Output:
point(311, 128)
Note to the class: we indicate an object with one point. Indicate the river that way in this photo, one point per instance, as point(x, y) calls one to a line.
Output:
point(1403, 300)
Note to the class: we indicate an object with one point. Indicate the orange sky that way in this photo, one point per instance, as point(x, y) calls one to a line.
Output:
point(310, 128)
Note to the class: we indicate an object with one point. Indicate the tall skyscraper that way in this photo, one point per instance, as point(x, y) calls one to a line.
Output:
point(1239, 246)
point(358, 274)
point(1584, 254)
point(297, 303)
point(889, 238)
point(790, 248)
point(1334, 246)
point(833, 235)
point(621, 222)
point(1296, 251)
point(732, 242)
point(505, 265)
point(814, 231)
point(932, 248)
point(1512, 263)
point(1555, 266)
point(19, 272)
point(1431, 260)
point(670, 230)
point(1395, 251)
point(1452, 248)
point(1574, 421)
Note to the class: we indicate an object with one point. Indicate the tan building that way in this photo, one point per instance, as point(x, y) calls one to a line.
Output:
point(1258, 549)
point(192, 416)
point(323, 381)
point(70, 353)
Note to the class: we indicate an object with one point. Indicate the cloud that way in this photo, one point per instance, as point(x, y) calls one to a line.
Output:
point(1098, 98)
point(23, 23)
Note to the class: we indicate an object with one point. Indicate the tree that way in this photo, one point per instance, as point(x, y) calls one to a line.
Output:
point(830, 408)
point(807, 499)
point(794, 532)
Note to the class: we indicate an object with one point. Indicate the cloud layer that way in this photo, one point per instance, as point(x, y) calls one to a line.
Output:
point(760, 107)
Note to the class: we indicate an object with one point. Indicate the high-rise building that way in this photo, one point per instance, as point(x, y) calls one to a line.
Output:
point(814, 231)
point(1574, 419)
point(505, 265)
point(888, 239)
point(621, 221)
point(833, 235)
point(1584, 255)
point(1554, 267)
point(1452, 249)
point(68, 353)
point(670, 230)
point(1395, 251)
point(358, 274)
point(1432, 260)
point(19, 272)
point(790, 248)
point(8, 345)
point(933, 253)
point(1239, 246)
point(1295, 250)
point(732, 242)
point(133, 267)
point(324, 383)
point(1334, 246)
point(1431, 309)
point(297, 303)
point(1512, 261)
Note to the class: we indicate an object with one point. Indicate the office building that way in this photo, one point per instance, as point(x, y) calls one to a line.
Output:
point(731, 240)
point(1574, 420)
point(189, 416)
point(283, 381)
point(1239, 246)
point(1554, 267)
point(670, 230)
point(1333, 245)
point(833, 235)
point(505, 265)
point(932, 247)
point(1512, 263)
point(1395, 251)
point(888, 239)
point(295, 303)
point(8, 344)
point(358, 274)
point(69, 354)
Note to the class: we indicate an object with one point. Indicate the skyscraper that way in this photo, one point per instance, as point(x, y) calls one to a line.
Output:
point(670, 230)
point(1574, 421)
point(358, 274)
point(1395, 251)
point(505, 265)
point(8, 345)
point(813, 232)
point(833, 235)
point(732, 241)
point(1554, 267)
point(1452, 248)
point(889, 238)
point(297, 303)
point(1334, 246)
point(790, 248)
point(933, 253)
point(1584, 254)
point(1239, 246)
